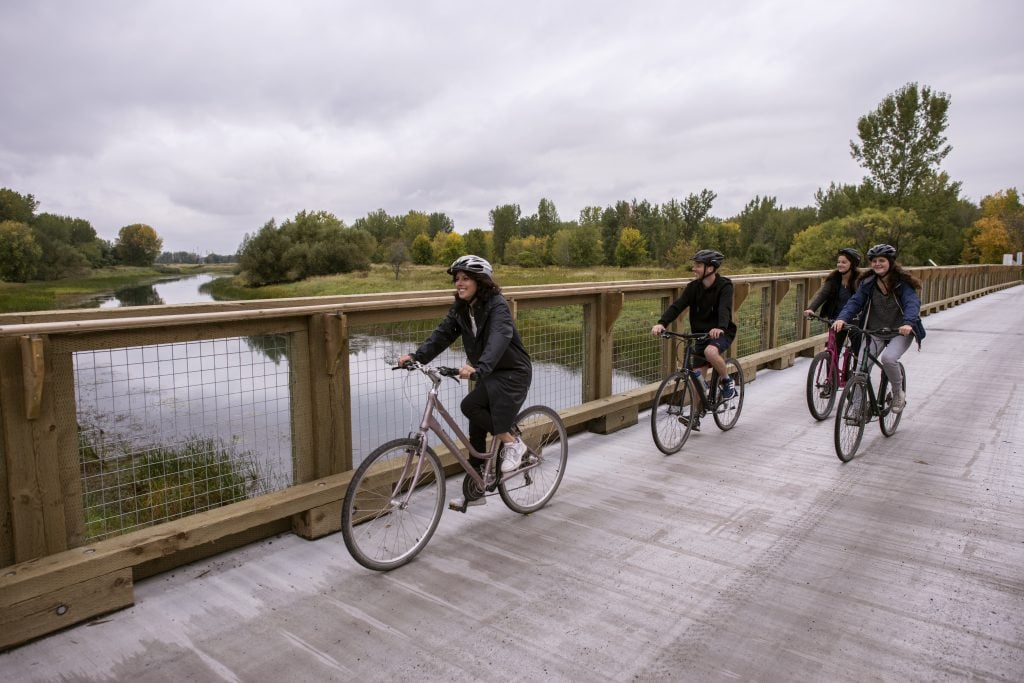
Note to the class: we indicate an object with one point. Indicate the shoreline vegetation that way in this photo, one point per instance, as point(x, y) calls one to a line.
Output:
point(48, 295)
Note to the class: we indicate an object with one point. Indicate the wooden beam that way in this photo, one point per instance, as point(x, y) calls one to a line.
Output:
point(33, 370)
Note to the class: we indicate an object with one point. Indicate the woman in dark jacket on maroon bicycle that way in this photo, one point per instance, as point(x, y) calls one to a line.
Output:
point(495, 358)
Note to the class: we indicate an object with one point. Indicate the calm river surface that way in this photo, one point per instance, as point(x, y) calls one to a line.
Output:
point(237, 392)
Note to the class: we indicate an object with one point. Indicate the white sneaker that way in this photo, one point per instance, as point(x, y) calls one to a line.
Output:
point(461, 504)
point(899, 401)
point(512, 456)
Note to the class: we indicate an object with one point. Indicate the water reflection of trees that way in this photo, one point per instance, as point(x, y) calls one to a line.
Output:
point(273, 346)
point(139, 295)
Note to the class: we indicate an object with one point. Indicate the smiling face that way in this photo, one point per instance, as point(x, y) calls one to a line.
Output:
point(465, 286)
point(880, 265)
point(701, 270)
point(843, 264)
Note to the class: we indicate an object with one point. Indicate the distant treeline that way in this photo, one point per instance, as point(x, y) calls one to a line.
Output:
point(190, 257)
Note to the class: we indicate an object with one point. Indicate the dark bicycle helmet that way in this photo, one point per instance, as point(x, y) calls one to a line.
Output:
point(884, 250)
point(709, 257)
point(852, 254)
point(470, 264)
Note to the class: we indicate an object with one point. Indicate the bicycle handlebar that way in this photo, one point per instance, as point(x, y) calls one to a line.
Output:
point(442, 370)
point(668, 334)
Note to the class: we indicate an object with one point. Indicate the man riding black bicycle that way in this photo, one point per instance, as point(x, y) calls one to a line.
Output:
point(709, 298)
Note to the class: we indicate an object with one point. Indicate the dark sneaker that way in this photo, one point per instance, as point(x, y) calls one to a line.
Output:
point(727, 389)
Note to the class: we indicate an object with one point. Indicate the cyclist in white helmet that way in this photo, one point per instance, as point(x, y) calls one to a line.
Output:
point(495, 357)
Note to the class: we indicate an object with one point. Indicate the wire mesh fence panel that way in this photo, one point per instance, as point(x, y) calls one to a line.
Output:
point(169, 430)
point(636, 354)
point(791, 315)
point(386, 403)
point(553, 337)
point(752, 321)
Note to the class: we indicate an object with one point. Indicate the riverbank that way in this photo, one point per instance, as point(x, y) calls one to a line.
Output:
point(18, 297)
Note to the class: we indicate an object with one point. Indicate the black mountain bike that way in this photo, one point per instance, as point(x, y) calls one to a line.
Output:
point(683, 398)
point(861, 402)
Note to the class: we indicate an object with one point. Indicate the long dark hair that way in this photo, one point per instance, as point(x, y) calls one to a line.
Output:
point(485, 286)
point(856, 275)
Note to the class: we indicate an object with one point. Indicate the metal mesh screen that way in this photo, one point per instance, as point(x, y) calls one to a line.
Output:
point(636, 355)
point(169, 430)
point(554, 339)
point(790, 315)
point(752, 321)
point(387, 404)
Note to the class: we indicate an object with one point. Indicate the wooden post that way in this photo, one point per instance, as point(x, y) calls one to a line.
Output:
point(608, 307)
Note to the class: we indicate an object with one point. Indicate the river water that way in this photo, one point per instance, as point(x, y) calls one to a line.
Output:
point(236, 392)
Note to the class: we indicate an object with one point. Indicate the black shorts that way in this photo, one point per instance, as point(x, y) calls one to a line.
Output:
point(722, 344)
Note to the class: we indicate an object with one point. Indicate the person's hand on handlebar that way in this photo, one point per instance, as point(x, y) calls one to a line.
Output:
point(407, 358)
point(657, 329)
point(838, 325)
point(715, 332)
point(466, 371)
point(808, 313)
point(905, 330)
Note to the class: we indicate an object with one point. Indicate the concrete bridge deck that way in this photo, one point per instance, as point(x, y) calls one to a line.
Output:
point(753, 554)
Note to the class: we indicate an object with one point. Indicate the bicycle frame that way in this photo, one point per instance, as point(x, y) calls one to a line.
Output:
point(868, 360)
point(708, 397)
point(429, 423)
point(841, 372)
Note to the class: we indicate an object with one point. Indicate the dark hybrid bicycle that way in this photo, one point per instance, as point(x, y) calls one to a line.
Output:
point(683, 397)
point(860, 402)
point(828, 372)
point(395, 499)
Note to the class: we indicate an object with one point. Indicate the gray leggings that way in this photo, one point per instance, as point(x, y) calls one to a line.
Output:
point(890, 356)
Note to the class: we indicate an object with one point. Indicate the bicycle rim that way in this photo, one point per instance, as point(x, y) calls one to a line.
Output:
point(547, 452)
point(727, 412)
point(850, 418)
point(386, 516)
point(822, 386)
point(888, 420)
point(672, 413)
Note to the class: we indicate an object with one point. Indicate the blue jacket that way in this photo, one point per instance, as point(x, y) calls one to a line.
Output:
point(909, 301)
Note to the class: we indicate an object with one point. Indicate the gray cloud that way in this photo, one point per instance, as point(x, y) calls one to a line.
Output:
point(206, 120)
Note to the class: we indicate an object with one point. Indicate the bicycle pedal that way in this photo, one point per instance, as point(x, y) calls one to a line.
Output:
point(457, 508)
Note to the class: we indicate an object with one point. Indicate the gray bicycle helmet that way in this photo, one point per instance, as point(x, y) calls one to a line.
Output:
point(884, 250)
point(709, 257)
point(852, 254)
point(470, 264)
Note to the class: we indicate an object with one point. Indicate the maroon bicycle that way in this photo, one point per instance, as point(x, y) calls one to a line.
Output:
point(829, 371)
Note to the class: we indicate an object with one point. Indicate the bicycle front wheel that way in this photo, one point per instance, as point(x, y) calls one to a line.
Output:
point(727, 410)
point(393, 504)
point(547, 451)
point(851, 417)
point(822, 386)
point(889, 420)
point(672, 414)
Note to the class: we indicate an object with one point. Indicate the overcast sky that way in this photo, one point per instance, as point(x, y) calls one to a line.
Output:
point(207, 119)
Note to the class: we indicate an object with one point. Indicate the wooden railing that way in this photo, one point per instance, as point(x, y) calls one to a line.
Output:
point(53, 571)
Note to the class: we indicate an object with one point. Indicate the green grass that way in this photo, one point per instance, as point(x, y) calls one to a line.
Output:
point(18, 297)
point(144, 487)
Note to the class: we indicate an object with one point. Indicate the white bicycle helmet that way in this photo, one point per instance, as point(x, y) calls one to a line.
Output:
point(470, 264)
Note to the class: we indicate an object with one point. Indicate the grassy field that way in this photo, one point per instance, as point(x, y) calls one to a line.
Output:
point(69, 293)
point(381, 278)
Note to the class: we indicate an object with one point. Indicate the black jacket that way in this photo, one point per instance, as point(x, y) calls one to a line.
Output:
point(709, 307)
point(495, 351)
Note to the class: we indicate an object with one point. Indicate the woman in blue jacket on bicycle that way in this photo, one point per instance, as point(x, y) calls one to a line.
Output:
point(889, 298)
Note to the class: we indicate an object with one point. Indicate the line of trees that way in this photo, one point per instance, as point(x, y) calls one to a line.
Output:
point(46, 246)
point(905, 199)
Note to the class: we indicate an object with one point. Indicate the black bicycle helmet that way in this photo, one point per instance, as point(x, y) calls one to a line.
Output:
point(852, 254)
point(884, 250)
point(709, 257)
point(470, 264)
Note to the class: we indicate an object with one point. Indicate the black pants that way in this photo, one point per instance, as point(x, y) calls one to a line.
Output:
point(477, 408)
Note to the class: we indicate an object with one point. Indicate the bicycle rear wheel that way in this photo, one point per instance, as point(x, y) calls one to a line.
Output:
point(393, 504)
point(822, 386)
point(889, 420)
point(547, 451)
point(851, 417)
point(672, 414)
point(727, 411)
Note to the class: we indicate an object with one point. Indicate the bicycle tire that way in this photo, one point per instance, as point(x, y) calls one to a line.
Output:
point(672, 413)
point(727, 412)
point(888, 421)
point(543, 466)
point(851, 416)
point(822, 386)
point(379, 532)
